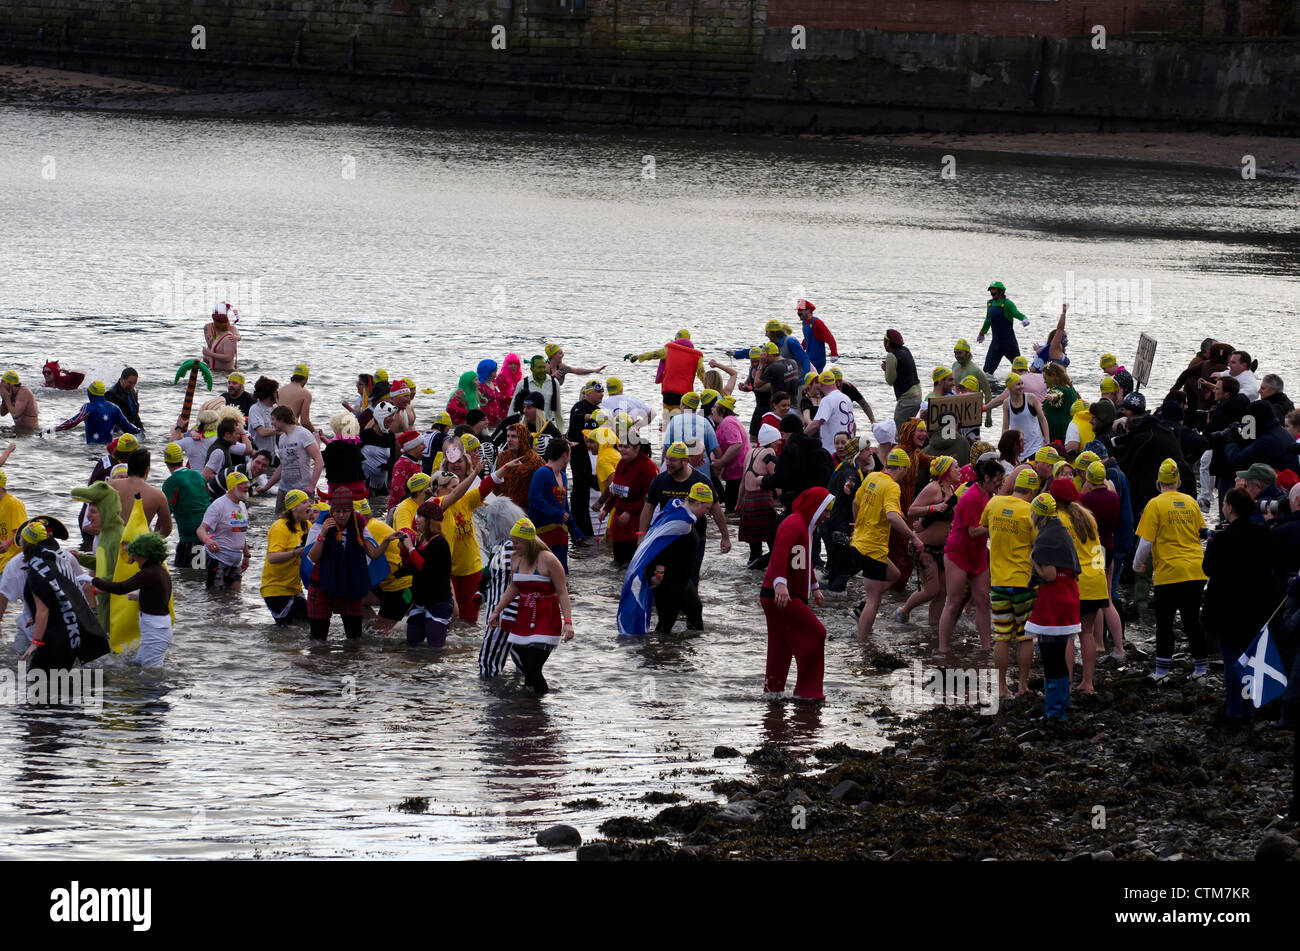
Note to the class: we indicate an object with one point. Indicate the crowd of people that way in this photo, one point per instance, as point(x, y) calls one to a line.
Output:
point(1033, 529)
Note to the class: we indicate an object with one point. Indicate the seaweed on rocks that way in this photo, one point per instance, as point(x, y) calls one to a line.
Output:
point(1135, 774)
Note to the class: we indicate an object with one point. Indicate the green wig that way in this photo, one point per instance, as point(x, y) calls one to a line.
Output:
point(150, 546)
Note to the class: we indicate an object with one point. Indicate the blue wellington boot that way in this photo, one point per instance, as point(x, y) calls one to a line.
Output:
point(1056, 697)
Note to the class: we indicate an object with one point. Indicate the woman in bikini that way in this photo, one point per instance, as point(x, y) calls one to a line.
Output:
point(221, 339)
point(931, 513)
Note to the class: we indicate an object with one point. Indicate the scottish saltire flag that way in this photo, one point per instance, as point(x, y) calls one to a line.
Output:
point(1260, 667)
point(674, 521)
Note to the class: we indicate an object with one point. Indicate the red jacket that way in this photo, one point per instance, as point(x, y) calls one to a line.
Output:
point(792, 551)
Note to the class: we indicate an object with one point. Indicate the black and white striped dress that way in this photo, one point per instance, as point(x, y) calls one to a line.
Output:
point(496, 646)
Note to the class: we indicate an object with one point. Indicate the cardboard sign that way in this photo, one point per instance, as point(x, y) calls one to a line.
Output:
point(965, 408)
point(1145, 357)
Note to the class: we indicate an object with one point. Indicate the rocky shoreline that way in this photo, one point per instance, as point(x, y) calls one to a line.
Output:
point(1140, 772)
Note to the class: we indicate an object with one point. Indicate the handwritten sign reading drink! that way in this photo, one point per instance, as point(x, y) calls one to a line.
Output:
point(1146, 355)
point(963, 408)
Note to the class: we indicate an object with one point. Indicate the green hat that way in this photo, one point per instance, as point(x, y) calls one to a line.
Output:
point(1258, 472)
point(997, 286)
point(150, 545)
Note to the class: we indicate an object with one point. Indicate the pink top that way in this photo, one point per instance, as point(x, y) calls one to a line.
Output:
point(971, 555)
point(729, 432)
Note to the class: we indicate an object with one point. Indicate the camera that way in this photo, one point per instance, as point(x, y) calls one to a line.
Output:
point(1275, 507)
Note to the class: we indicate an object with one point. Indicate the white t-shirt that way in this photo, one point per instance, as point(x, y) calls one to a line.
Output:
point(836, 414)
point(260, 416)
point(196, 450)
point(228, 522)
point(622, 403)
point(1248, 383)
point(295, 464)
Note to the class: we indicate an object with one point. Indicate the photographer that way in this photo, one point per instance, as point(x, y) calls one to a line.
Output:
point(1271, 444)
point(1260, 483)
point(1286, 536)
point(1228, 408)
point(1241, 592)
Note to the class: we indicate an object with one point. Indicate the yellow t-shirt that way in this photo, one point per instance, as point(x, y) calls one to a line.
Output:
point(1172, 522)
point(378, 531)
point(1092, 564)
point(12, 514)
point(404, 514)
point(877, 497)
point(458, 529)
point(282, 580)
point(607, 461)
point(1010, 522)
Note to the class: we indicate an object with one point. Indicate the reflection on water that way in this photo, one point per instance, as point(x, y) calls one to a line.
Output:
point(453, 245)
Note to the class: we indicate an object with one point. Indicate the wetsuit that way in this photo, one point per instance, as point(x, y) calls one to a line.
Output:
point(101, 418)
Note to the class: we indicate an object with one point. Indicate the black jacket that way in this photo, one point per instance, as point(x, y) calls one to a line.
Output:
point(1149, 442)
point(1241, 592)
point(128, 403)
point(802, 464)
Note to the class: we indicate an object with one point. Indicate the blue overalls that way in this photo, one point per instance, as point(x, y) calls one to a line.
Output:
point(1004, 337)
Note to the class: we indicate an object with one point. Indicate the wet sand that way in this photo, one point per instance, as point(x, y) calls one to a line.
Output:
point(41, 86)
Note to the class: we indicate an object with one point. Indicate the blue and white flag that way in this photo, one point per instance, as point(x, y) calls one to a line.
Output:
point(674, 521)
point(1260, 668)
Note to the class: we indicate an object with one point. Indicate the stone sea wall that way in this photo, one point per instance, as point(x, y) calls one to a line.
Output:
point(727, 64)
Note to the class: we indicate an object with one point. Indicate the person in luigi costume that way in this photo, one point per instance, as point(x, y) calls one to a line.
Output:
point(1000, 314)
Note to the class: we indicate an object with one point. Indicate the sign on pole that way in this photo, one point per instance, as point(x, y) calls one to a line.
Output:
point(963, 409)
point(1145, 356)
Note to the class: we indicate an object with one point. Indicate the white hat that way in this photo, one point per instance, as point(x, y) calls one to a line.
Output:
point(768, 434)
point(885, 431)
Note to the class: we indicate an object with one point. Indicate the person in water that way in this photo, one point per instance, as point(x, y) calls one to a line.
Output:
point(152, 587)
point(297, 398)
point(221, 339)
point(1000, 315)
point(543, 614)
point(793, 630)
point(64, 629)
point(101, 417)
point(18, 401)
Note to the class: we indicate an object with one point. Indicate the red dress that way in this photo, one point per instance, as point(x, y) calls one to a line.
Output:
point(1056, 610)
point(538, 621)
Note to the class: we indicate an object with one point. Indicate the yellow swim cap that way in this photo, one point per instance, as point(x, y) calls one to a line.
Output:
point(380, 375)
point(442, 419)
point(810, 377)
point(1096, 473)
point(897, 459)
point(418, 482)
point(1020, 363)
point(728, 402)
point(1027, 480)
point(96, 388)
point(683, 334)
point(690, 401)
point(1047, 454)
point(1168, 472)
point(236, 377)
point(234, 479)
point(172, 453)
point(1108, 360)
point(709, 397)
point(293, 498)
point(10, 377)
point(1043, 505)
point(678, 450)
point(828, 377)
point(613, 385)
point(1079, 406)
point(962, 345)
point(772, 326)
point(1109, 385)
point(361, 506)
point(755, 352)
point(302, 371)
point(839, 374)
point(1085, 459)
point(1056, 469)
point(941, 464)
point(940, 373)
point(700, 492)
point(127, 443)
point(525, 529)
point(34, 533)
point(1012, 379)
point(769, 348)
point(470, 442)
